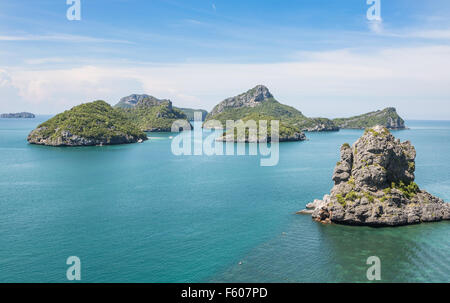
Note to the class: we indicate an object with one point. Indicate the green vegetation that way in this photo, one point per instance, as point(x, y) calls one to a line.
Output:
point(351, 196)
point(382, 117)
point(154, 117)
point(285, 130)
point(385, 198)
point(288, 115)
point(96, 120)
point(341, 200)
point(369, 197)
point(383, 133)
point(408, 190)
point(346, 145)
point(150, 113)
point(351, 181)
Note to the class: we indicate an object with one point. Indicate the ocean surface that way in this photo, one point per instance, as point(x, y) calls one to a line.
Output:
point(138, 213)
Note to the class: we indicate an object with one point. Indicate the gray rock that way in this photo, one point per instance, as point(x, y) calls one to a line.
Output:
point(252, 98)
point(374, 186)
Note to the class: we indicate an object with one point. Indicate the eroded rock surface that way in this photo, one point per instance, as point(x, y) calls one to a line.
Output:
point(374, 185)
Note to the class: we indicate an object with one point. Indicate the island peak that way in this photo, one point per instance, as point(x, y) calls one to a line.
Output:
point(374, 186)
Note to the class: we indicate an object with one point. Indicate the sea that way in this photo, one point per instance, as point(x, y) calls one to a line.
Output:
point(140, 213)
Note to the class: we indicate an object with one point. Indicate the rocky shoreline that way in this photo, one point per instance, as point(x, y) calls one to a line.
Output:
point(89, 124)
point(374, 186)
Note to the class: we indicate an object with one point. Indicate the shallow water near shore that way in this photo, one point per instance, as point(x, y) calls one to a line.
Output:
point(138, 213)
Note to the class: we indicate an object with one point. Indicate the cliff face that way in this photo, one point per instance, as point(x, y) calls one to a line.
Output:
point(95, 123)
point(149, 113)
point(251, 98)
point(387, 117)
point(135, 99)
point(374, 185)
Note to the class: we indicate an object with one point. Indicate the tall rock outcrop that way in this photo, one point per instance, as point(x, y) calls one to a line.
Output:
point(251, 98)
point(374, 185)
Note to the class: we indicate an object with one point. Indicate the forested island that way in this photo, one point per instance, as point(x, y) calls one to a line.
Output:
point(94, 123)
point(97, 123)
point(22, 115)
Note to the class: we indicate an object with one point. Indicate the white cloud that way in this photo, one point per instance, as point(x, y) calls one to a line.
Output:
point(61, 38)
point(376, 26)
point(317, 82)
point(432, 34)
point(5, 79)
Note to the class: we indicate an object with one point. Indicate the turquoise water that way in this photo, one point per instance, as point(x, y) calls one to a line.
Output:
point(137, 213)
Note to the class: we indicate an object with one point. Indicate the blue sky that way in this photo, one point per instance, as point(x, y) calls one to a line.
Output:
point(323, 57)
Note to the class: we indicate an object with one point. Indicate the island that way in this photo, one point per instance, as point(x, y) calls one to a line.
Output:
point(387, 117)
point(258, 101)
point(151, 114)
point(94, 123)
point(374, 186)
point(22, 115)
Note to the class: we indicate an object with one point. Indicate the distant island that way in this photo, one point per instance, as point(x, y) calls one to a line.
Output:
point(374, 186)
point(98, 123)
point(387, 117)
point(94, 123)
point(23, 115)
point(151, 114)
point(259, 102)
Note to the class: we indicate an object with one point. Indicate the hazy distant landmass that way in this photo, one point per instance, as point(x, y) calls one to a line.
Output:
point(18, 115)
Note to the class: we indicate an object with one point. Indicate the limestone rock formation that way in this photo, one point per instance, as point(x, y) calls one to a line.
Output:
point(374, 185)
point(259, 102)
point(251, 98)
point(151, 114)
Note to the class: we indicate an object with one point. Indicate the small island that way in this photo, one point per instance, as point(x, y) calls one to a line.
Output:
point(94, 123)
point(374, 186)
point(387, 117)
point(151, 114)
point(258, 102)
point(22, 115)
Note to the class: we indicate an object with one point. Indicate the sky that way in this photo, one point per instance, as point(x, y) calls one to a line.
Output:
point(326, 58)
